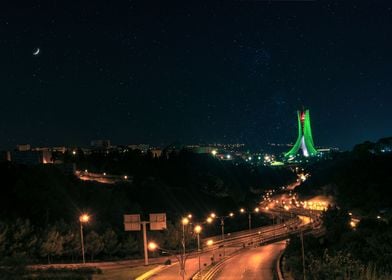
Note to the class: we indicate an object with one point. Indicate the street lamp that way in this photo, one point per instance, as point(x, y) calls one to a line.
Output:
point(184, 222)
point(197, 230)
point(209, 243)
point(152, 246)
point(84, 218)
point(222, 223)
point(256, 210)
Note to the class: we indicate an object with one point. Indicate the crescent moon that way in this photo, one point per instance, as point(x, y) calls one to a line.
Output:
point(36, 52)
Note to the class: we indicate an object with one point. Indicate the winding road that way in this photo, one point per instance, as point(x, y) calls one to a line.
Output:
point(253, 263)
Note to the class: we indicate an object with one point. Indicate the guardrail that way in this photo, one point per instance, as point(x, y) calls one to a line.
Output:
point(281, 235)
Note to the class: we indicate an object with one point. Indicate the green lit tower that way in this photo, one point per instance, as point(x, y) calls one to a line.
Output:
point(305, 138)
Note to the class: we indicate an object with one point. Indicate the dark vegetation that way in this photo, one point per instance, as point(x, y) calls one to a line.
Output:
point(40, 205)
point(361, 182)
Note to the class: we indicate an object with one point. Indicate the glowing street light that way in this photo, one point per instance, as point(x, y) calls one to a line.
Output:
point(152, 246)
point(197, 229)
point(213, 215)
point(209, 220)
point(84, 218)
point(185, 221)
point(214, 152)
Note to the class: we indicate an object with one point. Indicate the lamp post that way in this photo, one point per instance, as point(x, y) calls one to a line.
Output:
point(184, 222)
point(303, 254)
point(209, 243)
point(256, 210)
point(84, 218)
point(222, 224)
point(197, 230)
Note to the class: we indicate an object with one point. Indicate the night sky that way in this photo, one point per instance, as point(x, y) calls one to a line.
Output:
point(158, 73)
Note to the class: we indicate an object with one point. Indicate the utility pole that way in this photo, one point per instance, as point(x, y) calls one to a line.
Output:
point(82, 242)
point(133, 222)
point(223, 233)
point(144, 225)
point(303, 254)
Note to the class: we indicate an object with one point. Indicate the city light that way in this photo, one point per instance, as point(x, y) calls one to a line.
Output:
point(152, 246)
point(231, 214)
point(214, 152)
point(213, 215)
point(209, 220)
point(210, 242)
point(242, 210)
point(185, 221)
point(84, 218)
point(198, 229)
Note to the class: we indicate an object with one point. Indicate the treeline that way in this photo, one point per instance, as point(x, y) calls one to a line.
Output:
point(61, 242)
point(363, 253)
point(21, 239)
point(41, 205)
point(176, 185)
point(360, 181)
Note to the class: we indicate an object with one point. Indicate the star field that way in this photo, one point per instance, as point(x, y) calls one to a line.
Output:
point(159, 73)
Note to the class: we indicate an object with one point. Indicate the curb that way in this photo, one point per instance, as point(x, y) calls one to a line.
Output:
point(150, 273)
point(278, 266)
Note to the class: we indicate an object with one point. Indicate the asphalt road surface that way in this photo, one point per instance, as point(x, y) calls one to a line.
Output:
point(191, 266)
point(254, 263)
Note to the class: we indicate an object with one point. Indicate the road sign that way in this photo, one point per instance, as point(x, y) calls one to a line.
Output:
point(157, 221)
point(132, 222)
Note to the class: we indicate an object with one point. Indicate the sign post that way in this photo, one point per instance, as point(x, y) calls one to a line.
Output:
point(133, 223)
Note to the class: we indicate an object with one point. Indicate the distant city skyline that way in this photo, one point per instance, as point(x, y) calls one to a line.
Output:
point(159, 74)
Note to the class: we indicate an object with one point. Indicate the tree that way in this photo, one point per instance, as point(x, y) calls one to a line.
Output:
point(94, 244)
point(3, 239)
point(110, 240)
point(72, 247)
point(23, 240)
point(129, 246)
point(52, 244)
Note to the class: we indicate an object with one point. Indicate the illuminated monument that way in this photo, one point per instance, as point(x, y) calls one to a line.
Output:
point(305, 139)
